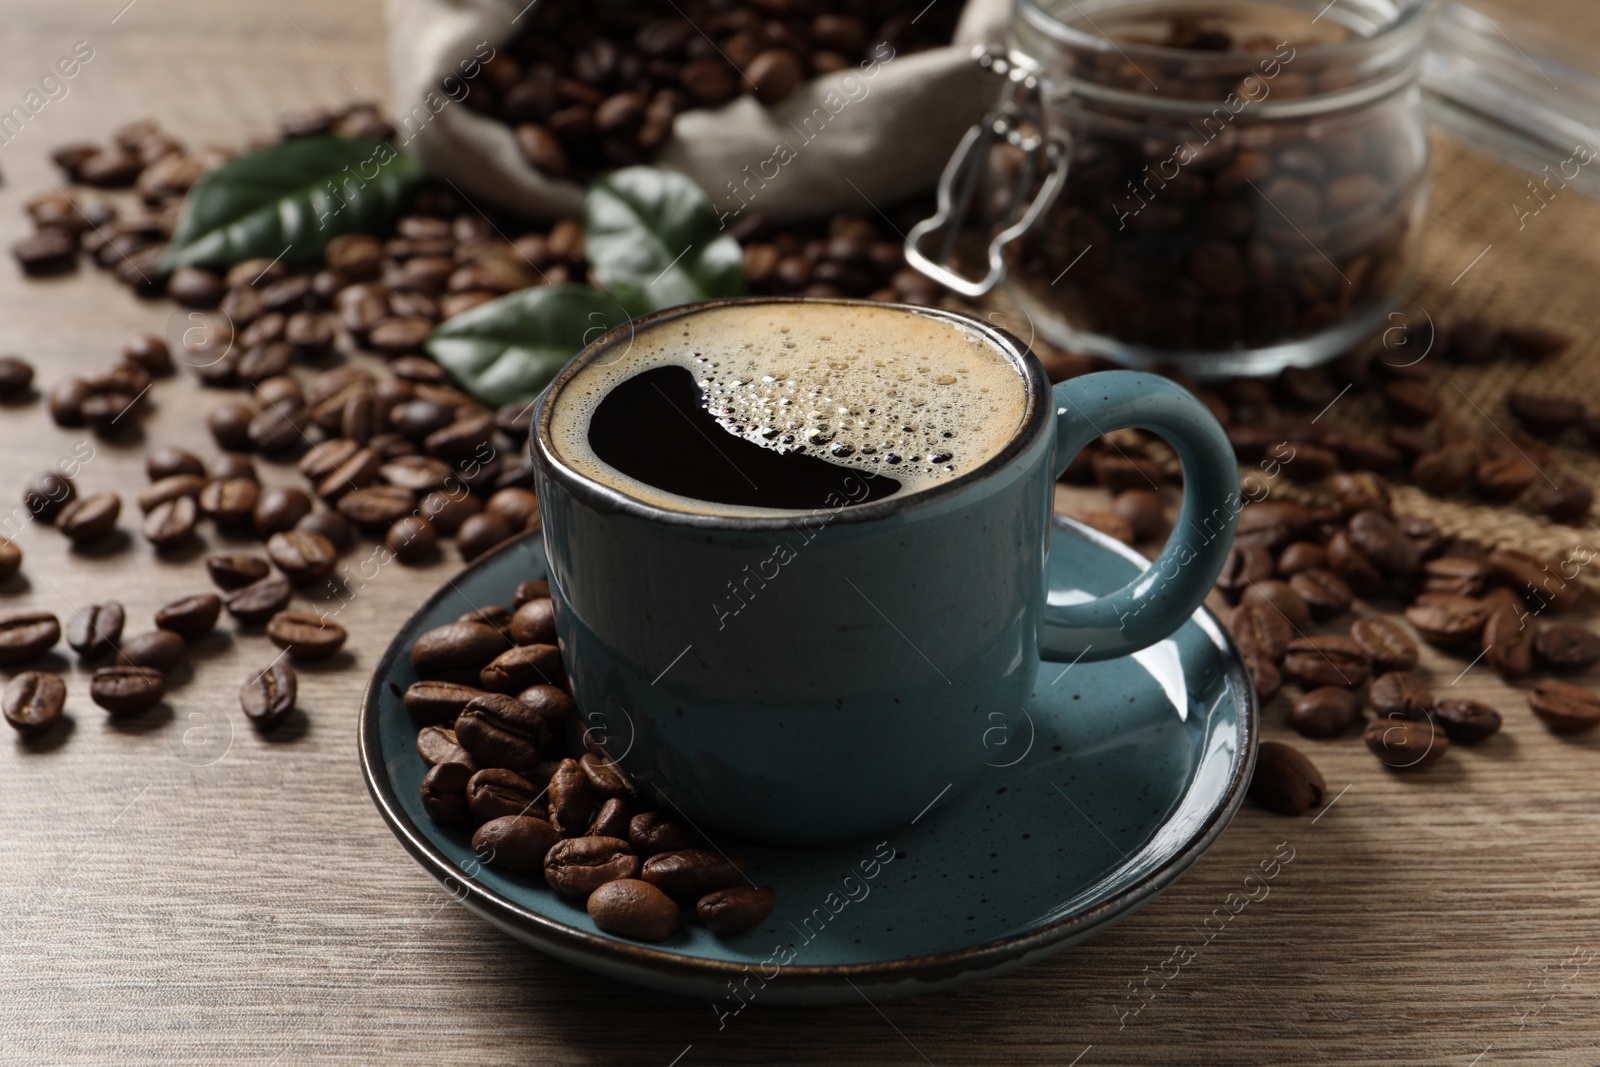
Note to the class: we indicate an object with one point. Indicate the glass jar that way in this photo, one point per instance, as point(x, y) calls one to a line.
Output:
point(1225, 186)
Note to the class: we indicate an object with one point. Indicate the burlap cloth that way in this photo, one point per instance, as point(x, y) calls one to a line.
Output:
point(1544, 272)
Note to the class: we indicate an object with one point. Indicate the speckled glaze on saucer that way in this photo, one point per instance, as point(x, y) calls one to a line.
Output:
point(1103, 789)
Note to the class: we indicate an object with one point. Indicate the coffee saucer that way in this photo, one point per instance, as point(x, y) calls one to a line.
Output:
point(1099, 793)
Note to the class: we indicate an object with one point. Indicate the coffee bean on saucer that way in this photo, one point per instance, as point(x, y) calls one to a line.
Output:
point(1404, 744)
point(536, 589)
point(577, 866)
point(479, 533)
point(571, 798)
point(1328, 711)
point(266, 697)
point(534, 623)
point(161, 649)
point(1567, 647)
point(631, 907)
point(1326, 660)
point(1388, 646)
point(236, 571)
point(258, 601)
point(457, 644)
point(437, 744)
point(493, 616)
point(444, 792)
point(95, 630)
point(192, 617)
point(1565, 708)
point(518, 507)
point(736, 909)
point(495, 791)
point(1467, 721)
point(522, 666)
point(607, 780)
point(611, 820)
point(653, 832)
point(691, 873)
point(26, 635)
point(431, 702)
point(33, 701)
point(88, 519)
point(501, 731)
point(1400, 694)
point(127, 690)
point(522, 843)
point(1285, 781)
point(306, 634)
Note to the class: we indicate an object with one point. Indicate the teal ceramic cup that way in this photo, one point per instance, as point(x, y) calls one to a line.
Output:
point(820, 676)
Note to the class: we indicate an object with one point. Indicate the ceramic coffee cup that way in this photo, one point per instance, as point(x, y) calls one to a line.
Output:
point(853, 684)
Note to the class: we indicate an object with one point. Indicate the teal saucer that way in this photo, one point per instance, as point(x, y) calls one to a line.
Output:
point(1101, 791)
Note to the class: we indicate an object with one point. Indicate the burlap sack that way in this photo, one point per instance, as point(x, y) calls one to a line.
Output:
point(874, 134)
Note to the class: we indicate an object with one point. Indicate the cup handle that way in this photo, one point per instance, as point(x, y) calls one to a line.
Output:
point(1158, 601)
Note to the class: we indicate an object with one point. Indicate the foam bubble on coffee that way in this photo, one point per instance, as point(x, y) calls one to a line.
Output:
point(880, 389)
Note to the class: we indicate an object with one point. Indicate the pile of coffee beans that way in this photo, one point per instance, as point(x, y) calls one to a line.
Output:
point(591, 87)
point(496, 721)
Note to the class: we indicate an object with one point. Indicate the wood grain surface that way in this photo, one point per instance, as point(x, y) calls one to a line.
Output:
point(161, 905)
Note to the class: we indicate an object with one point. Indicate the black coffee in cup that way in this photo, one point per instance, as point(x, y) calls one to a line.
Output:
point(775, 405)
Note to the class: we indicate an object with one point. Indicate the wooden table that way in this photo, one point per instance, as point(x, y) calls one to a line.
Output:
point(166, 901)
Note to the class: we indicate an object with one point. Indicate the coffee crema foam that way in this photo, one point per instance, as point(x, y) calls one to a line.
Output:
point(881, 390)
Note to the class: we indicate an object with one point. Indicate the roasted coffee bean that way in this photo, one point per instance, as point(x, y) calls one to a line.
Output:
point(1362, 491)
point(1141, 509)
point(1445, 470)
point(495, 792)
point(1567, 647)
point(633, 908)
point(1264, 674)
point(1444, 619)
point(1325, 712)
point(1567, 501)
point(230, 501)
point(88, 519)
point(479, 533)
point(456, 644)
point(1244, 565)
point(1272, 525)
point(412, 540)
point(1536, 579)
point(447, 511)
point(1388, 646)
point(1404, 744)
point(10, 559)
point(1325, 660)
point(520, 844)
point(1352, 565)
point(1282, 598)
point(534, 589)
point(493, 616)
point(33, 701)
point(501, 731)
point(736, 909)
point(266, 698)
point(258, 601)
point(1301, 556)
point(534, 623)
point(653, 832)
point(1504, 478)
point(577, 866)
point(1565, 708)
point(229, 424)
point(329, 524)
point(1410, 401)
point(1467, 721)
point(173, 487)
point(95, 630)
point(611, 820)
point(1263, 628)
point(571, 798)
point(1400, 694)
point(306, 635)
point(519, 507)
point(444, 792)
point(149, 352)
point(607, 780)
point(1380, 540)
point(231, 465)
point(1453, 574)
point(127, 690)
point(26, 635)
point(236, 571)
point(66, 400)
point(279, 510)
point(47, 494)
point(171, 525)
point(191, 618)
point(161, 649)
point(433, 702)
point(1361, 453)
point(302, 556)
point(689, 874)
point(377, 507)
point(167, 461)
point(420, 474)
point(1323, 591)
point(522, 666)
point(1285, 781)
point(1508, 640)
point(437, 744)
point(1544, 412)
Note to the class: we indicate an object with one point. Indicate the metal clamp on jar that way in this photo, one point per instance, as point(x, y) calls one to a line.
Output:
point(1228, 186)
